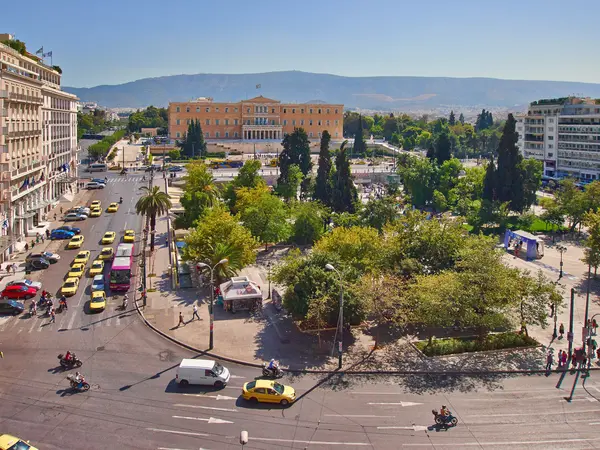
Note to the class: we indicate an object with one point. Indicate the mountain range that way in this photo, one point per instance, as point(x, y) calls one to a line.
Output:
point(386, 93)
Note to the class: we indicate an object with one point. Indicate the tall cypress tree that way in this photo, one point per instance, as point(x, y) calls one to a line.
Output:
point(323, 183)
point(452, 119)
point(193, 143)
point(360, 147)
point(510, 176)
point(344, 196)
point(461, 118)
point(296, 150)
point(443, 146)
point(490, 181)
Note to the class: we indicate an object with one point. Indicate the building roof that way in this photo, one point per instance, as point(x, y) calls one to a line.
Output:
point(240, 288)
point(261, 99)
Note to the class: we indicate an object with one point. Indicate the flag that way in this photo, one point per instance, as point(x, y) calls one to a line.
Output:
point(49, 54)
point(40, 51)
point(258, 86)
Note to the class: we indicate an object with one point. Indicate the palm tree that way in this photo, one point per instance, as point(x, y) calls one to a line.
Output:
point(199, 193)
point(219, 251)
point(153, 202)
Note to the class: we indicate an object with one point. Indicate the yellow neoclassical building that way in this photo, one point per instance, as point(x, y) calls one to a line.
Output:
point(258, 118)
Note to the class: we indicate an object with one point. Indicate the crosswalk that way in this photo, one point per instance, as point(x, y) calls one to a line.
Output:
point(71, 320)
point(128, 179)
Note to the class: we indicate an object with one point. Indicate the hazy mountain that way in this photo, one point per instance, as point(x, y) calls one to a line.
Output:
point(383, 93)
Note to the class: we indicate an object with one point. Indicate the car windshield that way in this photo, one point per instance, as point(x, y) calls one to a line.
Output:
point(96, 264)
point(69, 284)
point(251, 385)
point(120, 276)
point(107, 252)
point(218, 369)
point(19, 445)
point(278, 387)
point(47, 254)
point(27, 282)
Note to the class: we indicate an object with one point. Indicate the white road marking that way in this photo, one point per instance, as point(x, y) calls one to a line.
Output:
point(589, 399)
point(483, 444)
point(70, 325)
point(538, 413)
point(205, 407)
point(414, 427)
point(92, 227)
point(218, 397)
point(235, 376)
point(298, 441)
point(366, 416)
point(187, 433)
point(210, 420)
point(403, 404)
point(33, 324)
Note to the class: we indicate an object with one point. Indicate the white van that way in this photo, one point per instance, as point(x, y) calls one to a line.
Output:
point(201, 371)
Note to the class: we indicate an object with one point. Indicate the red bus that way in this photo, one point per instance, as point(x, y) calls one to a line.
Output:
point(120, 271)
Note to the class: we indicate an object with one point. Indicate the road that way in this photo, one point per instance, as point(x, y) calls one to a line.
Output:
point(135, 404)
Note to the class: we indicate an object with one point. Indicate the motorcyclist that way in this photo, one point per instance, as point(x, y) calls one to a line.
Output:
point(273, 365)
point(125, 299)
point(68, 356)
point(120, 199)
point(63, 302)
point(80, 379)
point(33, 307)
point(444, 412)
point(106, 179)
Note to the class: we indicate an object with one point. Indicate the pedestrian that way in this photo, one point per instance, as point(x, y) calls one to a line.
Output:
point(61, 209)
point(52, 316)
point(559, 359)
point(574, 359)
point(55, 217)
point(181, 321)
point(37, 238)
point(32, 243)
point(48, 233)
point(195, 315)
point(42, 236)
point(549, 361)
point(26, 247)
point(14, 269)
point(565, 356)
point(551, 309)
point(8, 266)
point(561, 330)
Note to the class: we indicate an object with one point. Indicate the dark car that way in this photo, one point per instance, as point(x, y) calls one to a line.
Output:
point(148, 169)
point(36, 264)
point(48, 256)
point(68, 228)
point(61, 234)
point(175, 169)
point(18, 292)
point(11, 307)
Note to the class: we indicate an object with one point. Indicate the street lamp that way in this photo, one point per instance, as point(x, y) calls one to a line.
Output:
point(212, 296)
point(269, 277)
point(561, 249)
point(341, 314)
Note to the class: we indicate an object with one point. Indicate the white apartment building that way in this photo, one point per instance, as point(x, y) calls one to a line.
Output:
point(564, 134)
point(38, 145)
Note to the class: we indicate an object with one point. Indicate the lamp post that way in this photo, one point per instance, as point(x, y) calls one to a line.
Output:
point(561, 249)
point(212, 297)
point(341, 314)
point(269, 277)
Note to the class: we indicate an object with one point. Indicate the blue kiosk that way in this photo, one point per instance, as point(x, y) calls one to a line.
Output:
point(524, 244)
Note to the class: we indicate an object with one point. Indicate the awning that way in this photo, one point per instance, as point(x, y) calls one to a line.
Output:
point(27, 215)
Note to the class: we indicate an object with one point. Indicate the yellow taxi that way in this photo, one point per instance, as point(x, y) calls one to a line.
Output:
point(97, 267)
point(95, 212)
point(8, 442)
point(82, 257)
point(268, 391)
point(76, 241)
point(109, 237)
point(113, 207)
point(70, 286)
point(129, 236)
point(98, 301)
point(96, 204)
point(106, 253)
point(76, 271)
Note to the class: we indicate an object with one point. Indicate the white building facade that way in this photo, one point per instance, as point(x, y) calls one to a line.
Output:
point(38, 145)
point(564, 134)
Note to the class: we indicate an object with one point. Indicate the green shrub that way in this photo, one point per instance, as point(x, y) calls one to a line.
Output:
point(497, 341)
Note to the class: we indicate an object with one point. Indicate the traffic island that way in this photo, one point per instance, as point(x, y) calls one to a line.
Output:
point(470, 344)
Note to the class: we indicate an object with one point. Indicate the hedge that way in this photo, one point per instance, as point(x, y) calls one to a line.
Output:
point(497, 341)
point(100, 149)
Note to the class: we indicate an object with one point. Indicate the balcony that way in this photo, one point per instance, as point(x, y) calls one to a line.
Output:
point(17, 173)
point(14, 97)
point(18, 192)
point(3, 93)
point(24, 133)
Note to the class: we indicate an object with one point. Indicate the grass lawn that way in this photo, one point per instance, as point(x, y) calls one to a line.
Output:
point(497, 341)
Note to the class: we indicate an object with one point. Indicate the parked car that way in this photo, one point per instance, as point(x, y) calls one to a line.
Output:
point(18, 292)
point(36, 264)
point(99, 180)
point(176, 169)
point(49, 256)
point(26, 282)
point(61, 234)
point(94, 185)
point(11, 307)
point(74, 216)
point(75, 230)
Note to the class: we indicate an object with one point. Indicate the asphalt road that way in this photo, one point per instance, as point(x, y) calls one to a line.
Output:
point(135, 404)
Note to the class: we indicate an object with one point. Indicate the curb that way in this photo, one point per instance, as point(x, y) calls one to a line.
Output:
point(359, 372)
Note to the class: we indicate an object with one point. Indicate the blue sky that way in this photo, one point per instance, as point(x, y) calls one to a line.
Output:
point(111, 42)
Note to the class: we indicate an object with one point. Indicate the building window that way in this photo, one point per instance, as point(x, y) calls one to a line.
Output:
point(319, 123)
point(284, 122)
point(178, 122)
point(248, 110)
point(197, 109)
point(319, 111)
point(337, 122)
point(236, 134)
point(217, 110)
point(551, 120)
point(336, 134)
point(226, 134)
point(284, 110)
point(207, 134)
point(187, 122)
point(550, 155)
point(216, 121)
point(302, 123)
point(272, 122)
point(226, 121)
point(551, 138)
point(293, 123)
point(217, 134)
point(272, 110)
point(310, 122)
point(226, 110)
point(327, 110)
point(328, 123)
point(319, 134)
point(550, 146)
point(336, 111)
point(293, 110)
point(310, 110)
point(207, 110)
point(207, 121)
point(236, 110)
point(310, 134)
point(187, 109)
point(550, 128)
point(177, 109)
point(235, 121)
point(302, 111)
point(178, 134)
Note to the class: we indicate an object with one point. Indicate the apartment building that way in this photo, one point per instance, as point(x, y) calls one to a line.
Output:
point(258, 118)
point(38, 144)
point(564, 134)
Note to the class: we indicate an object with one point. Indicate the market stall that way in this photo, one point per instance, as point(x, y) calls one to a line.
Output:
point(240, 293)
point(524, 244)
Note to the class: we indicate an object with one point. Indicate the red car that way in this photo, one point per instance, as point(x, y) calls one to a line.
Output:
point(18, 292)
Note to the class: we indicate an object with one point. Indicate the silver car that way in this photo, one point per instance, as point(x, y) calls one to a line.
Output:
point(27, 283)
point(74, 216)
point(98, 283)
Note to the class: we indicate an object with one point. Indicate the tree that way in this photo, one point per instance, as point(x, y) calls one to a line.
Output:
point(461, 118)
point(534, 296)
point(151, 203)
point(288, 187)
point(323, 186)
point(263, 214)
point(199, 193)
point(510, 180)
point(484, 120)
point(592, 243)
point(360, 147)
point(419, 178)
point(379, 212)
point(309, 222)
point(452, 119)
point(442, 145)
point(359, 248)
point(150, 117)
point(219, 235)
point(296, 151)
point(247, 177)
point(193, 145)
point(531, 175)
point(344, 195)
point(174, 154)
point(571, 202)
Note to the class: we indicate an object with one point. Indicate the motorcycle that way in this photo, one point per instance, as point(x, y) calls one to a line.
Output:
point(275, 372)
point(445, 421)
point(120, 199)
point(43, 302)
point(72, 363)
point(32, 311)
point(80, 387)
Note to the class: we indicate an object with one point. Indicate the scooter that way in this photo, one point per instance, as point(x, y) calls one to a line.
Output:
point(275, 372)
point(80, 387)
point(72, 363)
point(444, 421)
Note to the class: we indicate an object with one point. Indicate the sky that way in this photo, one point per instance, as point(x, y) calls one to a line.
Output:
point(113, 42)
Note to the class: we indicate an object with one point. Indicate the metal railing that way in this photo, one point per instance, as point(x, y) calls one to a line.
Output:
point(24, 98)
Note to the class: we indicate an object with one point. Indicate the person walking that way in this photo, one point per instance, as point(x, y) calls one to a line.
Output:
point(52, 316)
point(181, 321)
point(561, 330)
point(14, 269)
point(195, 315)
point(564, 359)
point(551, 309)
point(559, 359)
point(549, 361)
